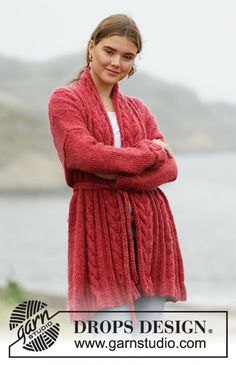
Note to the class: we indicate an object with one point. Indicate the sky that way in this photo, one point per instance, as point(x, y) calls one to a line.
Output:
point(189, 42)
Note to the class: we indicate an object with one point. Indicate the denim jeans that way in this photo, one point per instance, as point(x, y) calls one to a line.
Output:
point(144, 303)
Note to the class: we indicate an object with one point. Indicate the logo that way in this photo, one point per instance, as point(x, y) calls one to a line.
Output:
point(34, 326)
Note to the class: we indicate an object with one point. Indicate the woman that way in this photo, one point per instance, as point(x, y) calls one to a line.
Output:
point(123, 245)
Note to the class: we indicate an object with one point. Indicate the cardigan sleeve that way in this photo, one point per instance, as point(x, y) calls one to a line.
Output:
point(78, 149)
point(150, 178)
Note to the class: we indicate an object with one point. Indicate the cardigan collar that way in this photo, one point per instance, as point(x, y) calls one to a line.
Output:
point(86, 81)
point(86, 78)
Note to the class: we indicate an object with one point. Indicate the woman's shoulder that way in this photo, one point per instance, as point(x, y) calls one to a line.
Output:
point(66, 92)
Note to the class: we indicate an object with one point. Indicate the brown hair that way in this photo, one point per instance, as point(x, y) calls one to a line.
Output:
point(117, 24)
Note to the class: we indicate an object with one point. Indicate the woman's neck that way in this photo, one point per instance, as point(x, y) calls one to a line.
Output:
point(104, 90)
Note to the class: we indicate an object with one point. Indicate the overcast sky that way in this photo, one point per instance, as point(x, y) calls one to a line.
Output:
point(191, 42)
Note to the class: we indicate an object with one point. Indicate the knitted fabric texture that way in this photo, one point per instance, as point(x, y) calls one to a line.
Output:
point(102, 269)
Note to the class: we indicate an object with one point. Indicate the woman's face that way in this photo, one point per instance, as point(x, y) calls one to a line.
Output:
point(112, 58)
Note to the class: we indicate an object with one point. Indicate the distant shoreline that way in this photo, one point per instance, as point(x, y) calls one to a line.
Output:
point(63, 191)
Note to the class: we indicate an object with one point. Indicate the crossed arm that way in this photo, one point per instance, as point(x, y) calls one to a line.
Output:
point(78, 149)
point(144, 166)
point(149, 178)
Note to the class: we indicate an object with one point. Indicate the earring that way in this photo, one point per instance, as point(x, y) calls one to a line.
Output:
point(90, 61)
point(133, 70)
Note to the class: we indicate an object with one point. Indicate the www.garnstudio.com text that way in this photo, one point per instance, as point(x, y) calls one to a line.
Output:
point(146, 343)
point(145, 327)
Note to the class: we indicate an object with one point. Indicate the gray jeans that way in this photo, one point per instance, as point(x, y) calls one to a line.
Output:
point(144, 303)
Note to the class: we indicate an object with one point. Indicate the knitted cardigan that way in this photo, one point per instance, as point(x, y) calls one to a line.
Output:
point(102, 269)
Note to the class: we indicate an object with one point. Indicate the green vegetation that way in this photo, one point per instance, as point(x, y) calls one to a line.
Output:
point(12, 293)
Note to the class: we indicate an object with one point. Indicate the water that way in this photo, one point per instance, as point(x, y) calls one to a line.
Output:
point(33, 232)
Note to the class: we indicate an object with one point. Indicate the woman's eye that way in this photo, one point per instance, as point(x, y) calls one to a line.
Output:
point(109, 52)
point(128, 58)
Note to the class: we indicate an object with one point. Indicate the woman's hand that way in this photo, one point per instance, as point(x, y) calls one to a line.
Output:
point(163, 145)
point(109, 177)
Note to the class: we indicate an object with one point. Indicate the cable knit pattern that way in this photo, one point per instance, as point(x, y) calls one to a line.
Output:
point(102, 268)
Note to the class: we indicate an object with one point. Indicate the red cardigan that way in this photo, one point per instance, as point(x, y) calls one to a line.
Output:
point(102, 271)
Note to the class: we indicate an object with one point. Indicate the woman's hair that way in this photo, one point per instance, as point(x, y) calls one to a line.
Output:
point(117, 24)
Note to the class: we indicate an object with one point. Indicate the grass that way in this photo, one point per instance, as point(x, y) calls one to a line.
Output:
point(13, 294)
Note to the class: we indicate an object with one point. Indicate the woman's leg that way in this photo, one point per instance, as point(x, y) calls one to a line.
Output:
point(145, 303)
point(145, 325)
point(100, 316)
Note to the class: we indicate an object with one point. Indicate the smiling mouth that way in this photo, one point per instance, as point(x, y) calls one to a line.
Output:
point(113, 72)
